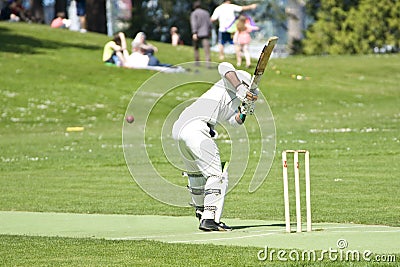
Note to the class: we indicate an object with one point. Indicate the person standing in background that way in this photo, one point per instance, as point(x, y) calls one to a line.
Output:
point(48, 10)
point(78, 6)
point(201, 31)
point(225, 14)
point(81, 12)
point(242, 40)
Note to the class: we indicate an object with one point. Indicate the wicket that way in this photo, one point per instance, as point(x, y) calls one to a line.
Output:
point(297, 189)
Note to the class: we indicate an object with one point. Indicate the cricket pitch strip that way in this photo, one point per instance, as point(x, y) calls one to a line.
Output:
point(254, 233)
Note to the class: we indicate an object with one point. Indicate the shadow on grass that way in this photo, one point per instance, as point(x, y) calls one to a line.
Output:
point(20, 44)
point(257, 225)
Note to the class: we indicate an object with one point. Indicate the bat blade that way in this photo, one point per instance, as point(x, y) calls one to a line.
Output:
point(263, 61)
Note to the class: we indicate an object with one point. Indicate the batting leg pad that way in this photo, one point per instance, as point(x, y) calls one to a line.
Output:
point(215, 190)
point(196, 185)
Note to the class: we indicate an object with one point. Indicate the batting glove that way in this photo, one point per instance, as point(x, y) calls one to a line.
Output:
point(242, 91)
point(249, 106)
point(242, 113)
point(253, 95)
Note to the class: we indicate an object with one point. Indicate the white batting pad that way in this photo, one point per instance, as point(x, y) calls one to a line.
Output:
point(196, 185)
point(215, 190)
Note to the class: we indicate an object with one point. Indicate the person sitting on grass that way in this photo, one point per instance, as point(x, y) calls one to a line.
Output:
point(115, 51)
point(140, 41)
point(60, 21)
point(13, 11)
point(140, 58)
point(175, 37)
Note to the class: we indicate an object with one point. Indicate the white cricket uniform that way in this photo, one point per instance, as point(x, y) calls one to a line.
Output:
point(193, 130)
point(225, 13)
point(218, 104)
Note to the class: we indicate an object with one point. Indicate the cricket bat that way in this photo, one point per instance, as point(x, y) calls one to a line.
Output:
point(262, 62)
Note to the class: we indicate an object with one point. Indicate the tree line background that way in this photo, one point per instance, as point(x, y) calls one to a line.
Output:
point(333, 26)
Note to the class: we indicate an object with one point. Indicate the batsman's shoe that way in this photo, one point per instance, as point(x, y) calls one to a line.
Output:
point(224, 226)
point(211, 225)
point(199, 212)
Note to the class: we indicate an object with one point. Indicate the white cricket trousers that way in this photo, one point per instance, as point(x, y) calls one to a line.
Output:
point(199, 151)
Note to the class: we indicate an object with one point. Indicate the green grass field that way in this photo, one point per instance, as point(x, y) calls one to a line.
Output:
point(347, 115)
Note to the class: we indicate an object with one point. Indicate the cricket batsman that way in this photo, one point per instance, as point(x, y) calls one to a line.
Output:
point(228, 100)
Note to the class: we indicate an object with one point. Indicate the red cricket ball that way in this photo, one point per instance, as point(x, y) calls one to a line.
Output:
point(130, 119)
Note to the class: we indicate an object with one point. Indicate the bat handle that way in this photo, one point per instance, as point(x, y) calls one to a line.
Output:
point(254, 83)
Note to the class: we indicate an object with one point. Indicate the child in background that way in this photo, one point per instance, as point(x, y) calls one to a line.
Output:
point(242, 40)
point(175, 37)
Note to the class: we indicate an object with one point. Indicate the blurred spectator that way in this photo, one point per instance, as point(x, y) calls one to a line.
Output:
point(175, 37)
point(115, 51)
point(27, 5)
point(201, 30)
point(60, 21)
point(48, 10)
point(81, 13)
point(13, 11)
point(140, 41)
point(5, 13)
point(140, 57)
point(242, 40)
point(225, 14)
